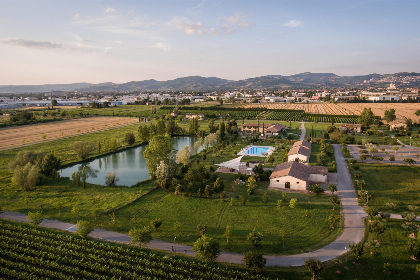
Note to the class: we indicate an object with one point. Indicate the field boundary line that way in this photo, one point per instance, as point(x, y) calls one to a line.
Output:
point(46, 141)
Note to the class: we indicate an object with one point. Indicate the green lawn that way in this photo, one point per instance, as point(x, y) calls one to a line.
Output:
point(391, 183)
point(318, 128)
point(191, 211)
point(315, 150)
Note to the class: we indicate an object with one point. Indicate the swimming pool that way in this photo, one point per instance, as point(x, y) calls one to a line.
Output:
point(256, 151)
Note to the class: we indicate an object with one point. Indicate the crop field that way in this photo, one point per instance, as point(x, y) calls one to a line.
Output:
point(402, 109)
point(29, 253)
point(20, 135)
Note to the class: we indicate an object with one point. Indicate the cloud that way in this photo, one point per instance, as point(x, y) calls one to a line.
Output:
point(161, 46)
point(188, 27)
point(109, 10)
point(46, 45)
point(214, 32)
point(234, 22)
point(197, 9)
point(76, 17)
point(293, 23)
point(117, 23)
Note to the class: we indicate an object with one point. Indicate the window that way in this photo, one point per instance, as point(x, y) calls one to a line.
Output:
point(278, 181)
point(297, 182)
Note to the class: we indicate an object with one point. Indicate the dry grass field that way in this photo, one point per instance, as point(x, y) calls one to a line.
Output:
point(402, 109)
point(21, 135)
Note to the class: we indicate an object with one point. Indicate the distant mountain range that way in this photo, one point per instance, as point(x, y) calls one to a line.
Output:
point(200, 84)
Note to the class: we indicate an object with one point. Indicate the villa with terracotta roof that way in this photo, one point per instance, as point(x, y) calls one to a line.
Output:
point(300, 152)
point(297, 176)
point(269, 129)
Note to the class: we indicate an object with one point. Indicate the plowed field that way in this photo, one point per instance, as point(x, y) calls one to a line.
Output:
point(27, 134)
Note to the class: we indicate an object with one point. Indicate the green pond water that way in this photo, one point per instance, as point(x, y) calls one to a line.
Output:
point(130, 165)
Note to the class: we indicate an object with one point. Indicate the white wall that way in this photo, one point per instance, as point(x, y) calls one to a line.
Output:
point(319, 178)
point(302, 158)
point(295, 184)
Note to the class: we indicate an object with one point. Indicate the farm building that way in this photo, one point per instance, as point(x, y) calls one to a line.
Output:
point(300, 152)
point(398, 124)
point(192, 116)
point(349, 128)
point(266, 129)
point(297, 176)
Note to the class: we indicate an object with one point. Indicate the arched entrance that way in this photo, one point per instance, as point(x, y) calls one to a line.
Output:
point(287, 185)
point(297, 159)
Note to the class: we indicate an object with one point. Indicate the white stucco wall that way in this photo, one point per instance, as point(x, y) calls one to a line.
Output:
point(302, 158)
point(318, 178)
point(295, 184)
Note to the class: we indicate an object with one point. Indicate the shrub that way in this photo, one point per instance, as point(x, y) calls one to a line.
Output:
point(314, 266)
point(202, 229)
point(316, 189)
point(254, 262)
point(356, 250)
point(35, 218)
point(129, 138)
point(414, 248)
point(84, 228)
point(206, 249)
point(26, 177)
point(255, 237)
point(142, 236)
point(385, 216)
point(156, 223)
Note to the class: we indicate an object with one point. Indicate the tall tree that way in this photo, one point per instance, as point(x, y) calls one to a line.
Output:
point(221, 130)
point(160, 148)
point(367, 117)
point(162, 175)
point(390, 115)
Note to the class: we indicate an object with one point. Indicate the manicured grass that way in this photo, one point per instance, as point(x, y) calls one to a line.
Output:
point(46, 197)
point(390, 183)
point(191, 211)
point(318, 128)
point(315, 150)
point(392, 250)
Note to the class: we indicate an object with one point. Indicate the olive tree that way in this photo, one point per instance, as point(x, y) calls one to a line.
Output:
point(35, 218)
point(314, 266)
point(26, 177)
point(140, 235)
point(255, 237)
point(206, 249)
point(254, 262)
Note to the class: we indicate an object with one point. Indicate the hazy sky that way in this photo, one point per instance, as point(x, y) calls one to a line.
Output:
point(119, 41)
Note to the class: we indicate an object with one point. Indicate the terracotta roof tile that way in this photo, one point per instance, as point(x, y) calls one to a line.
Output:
point(297, 170)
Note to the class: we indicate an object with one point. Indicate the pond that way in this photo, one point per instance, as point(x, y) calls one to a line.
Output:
point(130, 165)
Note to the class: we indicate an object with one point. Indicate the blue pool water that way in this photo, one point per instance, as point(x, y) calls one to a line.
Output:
point(256, 151)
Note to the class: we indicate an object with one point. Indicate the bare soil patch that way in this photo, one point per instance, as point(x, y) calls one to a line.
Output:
point(27, 134)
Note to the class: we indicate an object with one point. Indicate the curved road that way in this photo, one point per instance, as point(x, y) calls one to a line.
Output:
point(353, 228)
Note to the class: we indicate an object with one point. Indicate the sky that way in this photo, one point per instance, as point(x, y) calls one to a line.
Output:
point(54, 42)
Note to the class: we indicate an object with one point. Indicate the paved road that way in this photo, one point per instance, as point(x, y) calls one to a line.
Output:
point(303, 129)
point(353, 228)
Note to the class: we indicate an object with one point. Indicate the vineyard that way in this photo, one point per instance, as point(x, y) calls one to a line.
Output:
point(268, 114)
point(29, 253)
